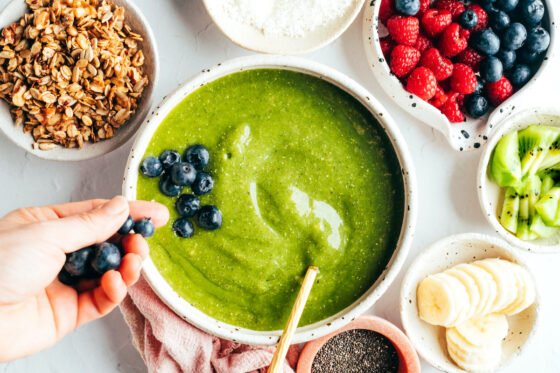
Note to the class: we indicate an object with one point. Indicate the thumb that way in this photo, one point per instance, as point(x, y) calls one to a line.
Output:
point(74, 232)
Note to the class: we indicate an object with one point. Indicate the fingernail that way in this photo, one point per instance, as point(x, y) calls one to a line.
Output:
point(116, 206)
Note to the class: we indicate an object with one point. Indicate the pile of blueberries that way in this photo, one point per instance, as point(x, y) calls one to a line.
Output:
point(514, 44)
point(93, 261)
point(177, 172)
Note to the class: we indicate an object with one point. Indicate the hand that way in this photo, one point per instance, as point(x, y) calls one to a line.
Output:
point(37, 310)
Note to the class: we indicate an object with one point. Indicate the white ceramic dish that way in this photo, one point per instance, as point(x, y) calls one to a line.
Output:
point(471, 134)
point(429, 340)
point(491, 196)
point(13, 12)
point(254, 39)
point(215, 327)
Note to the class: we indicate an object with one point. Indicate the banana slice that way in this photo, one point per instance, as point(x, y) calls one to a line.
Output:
point(472, 289)
point(473, 358)
point(526, 294)
point(486, 285)
point(481, 330)
point(505, 281)
point(436, 300)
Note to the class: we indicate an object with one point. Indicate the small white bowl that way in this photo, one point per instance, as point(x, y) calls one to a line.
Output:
point(254, 39)
point(491, 196)
point(14, 11)
point(429, 340)
point(324, 327)
point(469, 135)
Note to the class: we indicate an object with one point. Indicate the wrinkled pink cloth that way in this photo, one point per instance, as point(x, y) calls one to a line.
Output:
point(169, 344)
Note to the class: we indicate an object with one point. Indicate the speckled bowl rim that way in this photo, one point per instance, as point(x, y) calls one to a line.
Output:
point(518, 121)
point(316, 330)
point(407, 353)
point(123, 135)
point(461, 136)
point(439, 246)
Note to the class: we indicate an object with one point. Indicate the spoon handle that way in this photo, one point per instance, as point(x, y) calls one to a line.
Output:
point(276, 366)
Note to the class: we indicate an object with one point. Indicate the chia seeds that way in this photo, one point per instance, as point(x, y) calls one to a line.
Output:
point(357, 351)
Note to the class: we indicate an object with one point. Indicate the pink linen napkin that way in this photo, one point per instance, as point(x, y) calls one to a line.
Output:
point(169, 344)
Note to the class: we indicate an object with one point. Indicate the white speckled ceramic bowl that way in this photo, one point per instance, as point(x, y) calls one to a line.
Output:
point(13, 12)
point(471, 134)
point(232, 332)
point(429, 340)
point(254, 39)
point(491, 196)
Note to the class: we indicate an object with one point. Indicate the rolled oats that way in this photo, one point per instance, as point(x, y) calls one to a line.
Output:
point(72, 70)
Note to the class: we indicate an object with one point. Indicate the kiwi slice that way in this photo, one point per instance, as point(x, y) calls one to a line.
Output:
point(505, 165)
point(547, 207)
point(534, 144)
point(510, 210)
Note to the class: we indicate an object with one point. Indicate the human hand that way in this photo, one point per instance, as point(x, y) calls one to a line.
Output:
point(37, 310)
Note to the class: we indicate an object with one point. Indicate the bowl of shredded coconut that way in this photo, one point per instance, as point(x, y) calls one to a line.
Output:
point(283, 26)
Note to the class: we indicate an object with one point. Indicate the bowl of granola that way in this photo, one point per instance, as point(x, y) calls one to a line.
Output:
point(76, 78)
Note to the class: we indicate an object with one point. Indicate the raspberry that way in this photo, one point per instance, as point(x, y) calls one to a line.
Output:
point(386, 10)
point(387, 46)
point(499, 91)
point(453, 6)
point(452, 110)
point(482, 17)
point(403, 60)
point(423, 43)
point(435, 21)
point(422, 83)
point(424, 5)
point(463, 79)
point(439, 97)
point(452, 41)
point(404, 30)
point(440, 66)
point(471, 58)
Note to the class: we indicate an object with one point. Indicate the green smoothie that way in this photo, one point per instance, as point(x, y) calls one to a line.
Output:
point(304, 175)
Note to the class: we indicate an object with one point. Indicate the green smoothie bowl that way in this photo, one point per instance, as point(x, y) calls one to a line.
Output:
point(308, 169)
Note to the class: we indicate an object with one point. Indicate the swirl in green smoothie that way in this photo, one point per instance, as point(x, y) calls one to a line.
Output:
point(304, 175)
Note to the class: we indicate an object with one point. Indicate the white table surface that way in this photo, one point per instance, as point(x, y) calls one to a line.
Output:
point(189, 42)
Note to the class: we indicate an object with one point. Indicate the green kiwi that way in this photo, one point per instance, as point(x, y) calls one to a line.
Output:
point(510, 210)
point(505, 165)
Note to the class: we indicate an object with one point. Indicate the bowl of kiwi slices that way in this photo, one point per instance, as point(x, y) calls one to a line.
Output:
point(519, 180)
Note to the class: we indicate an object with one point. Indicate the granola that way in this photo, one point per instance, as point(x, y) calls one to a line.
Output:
point(72, 71)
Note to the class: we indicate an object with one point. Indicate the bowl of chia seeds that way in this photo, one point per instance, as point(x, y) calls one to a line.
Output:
point(367, 344)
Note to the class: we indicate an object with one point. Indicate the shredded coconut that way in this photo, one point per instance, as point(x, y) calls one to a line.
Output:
point(292, 18)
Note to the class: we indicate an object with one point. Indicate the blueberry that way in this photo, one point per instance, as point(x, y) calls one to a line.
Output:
point(507, 5)
point(499, 20)
point(479, 86)
point(167, 187)
point(183, 228)
point(507, 57)
point(538, 40)
point(203, 184)
point(151, 167)
point(520, 75)
point(491, 69)
point(67, 279)
point(526, 56)
point(182, 174)
point(477, 106)
point(468, 19)
point(107, 257)
point(488, 5)
point(514, 36)
point(77, 263)
point(408, 7)
point(144, 227)
point(187, 205)
point(531, 12)
point(198, 156)
point(168, 158)
point(486, 42)
point(209, 218)
point(127, 226)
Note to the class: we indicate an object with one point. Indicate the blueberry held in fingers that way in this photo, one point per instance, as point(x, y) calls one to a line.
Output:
point(78, 263)
point(209, 218)
point(144, 227)
point(107, 257)
point(127, 226)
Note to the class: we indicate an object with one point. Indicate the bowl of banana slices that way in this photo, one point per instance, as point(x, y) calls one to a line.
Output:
point(469, 303)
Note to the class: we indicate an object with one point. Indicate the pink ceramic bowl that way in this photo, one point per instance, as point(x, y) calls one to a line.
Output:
point(408, 358)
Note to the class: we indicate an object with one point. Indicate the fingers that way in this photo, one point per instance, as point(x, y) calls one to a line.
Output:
point(136, 244)
point(143, 209)
point(101, 300)
point(130, 269)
